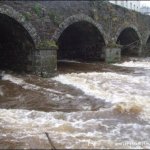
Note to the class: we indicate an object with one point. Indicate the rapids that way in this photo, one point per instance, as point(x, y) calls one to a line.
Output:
point(103, 106)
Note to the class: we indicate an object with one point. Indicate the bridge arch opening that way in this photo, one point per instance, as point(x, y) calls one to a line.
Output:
point(16, 45)
point(81, 41)
point(130, 42)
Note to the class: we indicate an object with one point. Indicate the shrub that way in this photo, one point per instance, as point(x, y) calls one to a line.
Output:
point(37, 9)
point(54, 17)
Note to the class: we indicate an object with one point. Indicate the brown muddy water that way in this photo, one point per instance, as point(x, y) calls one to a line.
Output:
point(86, 106)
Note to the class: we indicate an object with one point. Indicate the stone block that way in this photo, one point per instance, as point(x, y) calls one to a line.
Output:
point(48, 62)
point(112, 55)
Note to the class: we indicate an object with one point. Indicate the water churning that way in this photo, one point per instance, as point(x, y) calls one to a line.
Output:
point(108, 108)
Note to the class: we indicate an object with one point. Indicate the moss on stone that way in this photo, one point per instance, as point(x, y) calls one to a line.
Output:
point(113, 45)
point(48, 44)
point(37, 9)
point(55, 17)
point(27, 15)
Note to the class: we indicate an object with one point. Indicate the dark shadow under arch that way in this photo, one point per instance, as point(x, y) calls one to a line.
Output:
point(130, 42)
point(16, 45)
point(81, 41)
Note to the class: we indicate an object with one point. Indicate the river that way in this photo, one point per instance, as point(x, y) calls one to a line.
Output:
point(87, 105)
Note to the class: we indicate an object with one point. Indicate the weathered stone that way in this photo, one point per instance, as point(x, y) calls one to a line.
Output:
point(106, 17)
point(48, 63)
point(112, 55)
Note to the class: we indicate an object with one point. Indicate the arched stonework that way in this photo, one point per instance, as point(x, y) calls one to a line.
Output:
point(77, 18)
point(146, 37)
point(9, 11)
point(125, 27)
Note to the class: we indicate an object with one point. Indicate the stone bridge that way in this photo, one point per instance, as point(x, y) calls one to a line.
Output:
point(34, 34)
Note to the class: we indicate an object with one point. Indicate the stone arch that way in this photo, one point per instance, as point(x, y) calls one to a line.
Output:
point(125, 27)
point(130, 38)
point(79, 37)
point(18, 41)
point(76, 18)
point(10, 12)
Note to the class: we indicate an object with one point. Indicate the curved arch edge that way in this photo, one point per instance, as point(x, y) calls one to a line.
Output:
point(125, 27)
point(76, 18)
point(11, 12)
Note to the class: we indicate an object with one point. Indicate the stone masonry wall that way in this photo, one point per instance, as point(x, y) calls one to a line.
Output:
point(46, 16)
point(46, 20)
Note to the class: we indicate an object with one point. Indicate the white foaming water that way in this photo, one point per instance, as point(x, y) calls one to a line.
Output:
point(73, 130)
point(87, 129)
point(111, 87)
point(13, 79)
point(72, 61)
point(115, 88)
point(25, 85)
point(138, 63)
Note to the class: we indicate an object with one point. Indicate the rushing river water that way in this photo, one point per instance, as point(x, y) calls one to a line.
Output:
point(87, 105)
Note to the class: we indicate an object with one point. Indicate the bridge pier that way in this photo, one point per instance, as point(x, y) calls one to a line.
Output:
point(45, 62)
point(141, 51)
point(112, 55)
